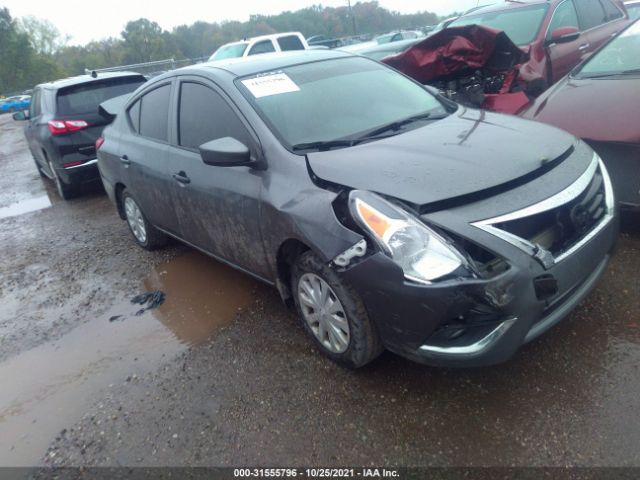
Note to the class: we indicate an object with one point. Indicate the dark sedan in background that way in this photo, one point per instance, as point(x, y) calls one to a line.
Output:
point(401, 221)
point(63, 125)
point(600, 102)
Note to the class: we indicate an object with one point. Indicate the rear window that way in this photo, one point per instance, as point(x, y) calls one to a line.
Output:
point(86, 97)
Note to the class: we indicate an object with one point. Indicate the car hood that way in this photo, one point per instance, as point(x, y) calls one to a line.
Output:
point(593, 109)
point(471, 152)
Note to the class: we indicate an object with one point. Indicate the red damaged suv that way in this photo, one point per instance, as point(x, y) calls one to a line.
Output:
point(557, 34)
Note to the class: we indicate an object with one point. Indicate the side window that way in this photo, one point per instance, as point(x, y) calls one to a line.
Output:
point(564, 16)
point(291, 42)
point(204, 116)
point(611, 11)
point(134, 116)
point(591, 14)
point(154, 113)
point(262, 47)
point(34, 106)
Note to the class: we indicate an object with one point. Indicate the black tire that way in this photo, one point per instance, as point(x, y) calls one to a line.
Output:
point(65, 190)
point(39, 168)
point(153, 238)
point(364, 342)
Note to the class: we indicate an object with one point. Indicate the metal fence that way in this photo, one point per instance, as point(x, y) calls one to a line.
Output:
point(150, 68)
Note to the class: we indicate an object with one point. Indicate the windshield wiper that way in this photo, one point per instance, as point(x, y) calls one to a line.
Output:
point(397, 125)
point(375, 134)
point(323, 145)
point(634, 71)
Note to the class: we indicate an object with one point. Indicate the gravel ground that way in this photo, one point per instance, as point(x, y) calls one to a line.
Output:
point(222, 374)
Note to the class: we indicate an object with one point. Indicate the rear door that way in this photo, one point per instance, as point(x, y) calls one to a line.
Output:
point(565, 56)
point(600, 20)
point(143, 155)
point(218, 207)
point(79, 103)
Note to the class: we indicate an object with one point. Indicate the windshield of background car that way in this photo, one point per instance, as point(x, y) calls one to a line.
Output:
point(230, 51)
point(521, 24)
point(335, 99)
point(634, 11)
point(86, 97)
point(385, 38)
point(621, 55)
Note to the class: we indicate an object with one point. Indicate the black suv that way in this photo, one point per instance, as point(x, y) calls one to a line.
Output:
point(64, 124)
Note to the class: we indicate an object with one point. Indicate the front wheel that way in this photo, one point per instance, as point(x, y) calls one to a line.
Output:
point(333, 314)
point(145, 234)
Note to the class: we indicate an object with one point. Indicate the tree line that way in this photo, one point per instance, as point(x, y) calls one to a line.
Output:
point(33, 51)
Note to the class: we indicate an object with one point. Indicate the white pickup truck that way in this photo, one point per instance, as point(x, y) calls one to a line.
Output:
point(278, 42)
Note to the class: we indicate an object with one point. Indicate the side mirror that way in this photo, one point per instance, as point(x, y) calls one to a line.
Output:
point(20, 116)
point(564, 35)
point(225, 152)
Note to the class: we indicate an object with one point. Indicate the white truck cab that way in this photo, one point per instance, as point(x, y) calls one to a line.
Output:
point(278, 42)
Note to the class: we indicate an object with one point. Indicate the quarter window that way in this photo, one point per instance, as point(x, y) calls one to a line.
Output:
point(262, 47)
point(134, 116)
point(154, 113)
point(611, 11)
point(204, 116)
point(591, 14)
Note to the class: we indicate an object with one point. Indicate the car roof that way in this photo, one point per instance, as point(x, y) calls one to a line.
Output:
point(496, 7)
point(241, 67)
point(80, 79)
point(262, 37)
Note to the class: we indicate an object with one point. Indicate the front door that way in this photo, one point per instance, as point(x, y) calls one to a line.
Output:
point(217, 207)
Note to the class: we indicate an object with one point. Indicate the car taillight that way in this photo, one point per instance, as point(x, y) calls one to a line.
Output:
point(56, 127)
point(99, 143)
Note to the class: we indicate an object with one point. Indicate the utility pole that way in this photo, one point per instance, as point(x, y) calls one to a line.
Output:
point(353, 18)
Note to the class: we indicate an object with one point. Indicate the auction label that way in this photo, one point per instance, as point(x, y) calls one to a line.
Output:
point(267, 85)
point(315, 473)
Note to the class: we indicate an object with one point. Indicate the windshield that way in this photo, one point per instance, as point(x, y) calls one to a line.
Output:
point(385, 38)
point(634, 11)
point(230, 51)
point(336, 99)
point(621, 55)
point(520, 24)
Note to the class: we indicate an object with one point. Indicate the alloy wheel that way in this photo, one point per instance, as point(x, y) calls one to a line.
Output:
point(323, 313)
point(135, 219)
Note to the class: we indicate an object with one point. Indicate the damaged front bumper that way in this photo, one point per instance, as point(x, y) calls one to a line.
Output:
point(470, 322)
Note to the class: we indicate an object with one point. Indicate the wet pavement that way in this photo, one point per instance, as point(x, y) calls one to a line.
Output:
point(222, 374)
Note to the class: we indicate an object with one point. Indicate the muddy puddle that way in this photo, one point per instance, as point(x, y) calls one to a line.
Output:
point(202, 296)
point(25, 206)
point(47, 388)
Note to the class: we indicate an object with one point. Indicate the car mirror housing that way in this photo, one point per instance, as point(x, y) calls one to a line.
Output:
point(226, 152)
point(20, 116)
point(564, 35)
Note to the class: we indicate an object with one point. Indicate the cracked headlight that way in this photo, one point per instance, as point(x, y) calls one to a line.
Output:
point(423, 255)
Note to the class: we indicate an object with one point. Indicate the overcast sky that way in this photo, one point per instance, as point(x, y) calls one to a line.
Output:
point(85, 20)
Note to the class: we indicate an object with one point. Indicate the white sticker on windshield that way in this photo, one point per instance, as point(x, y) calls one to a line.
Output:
point(270, 85)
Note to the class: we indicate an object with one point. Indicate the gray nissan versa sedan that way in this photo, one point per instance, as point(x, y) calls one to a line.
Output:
point(391, 217)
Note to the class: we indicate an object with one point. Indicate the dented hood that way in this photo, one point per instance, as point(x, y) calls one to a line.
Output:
point(458, 49)
point(469, 152)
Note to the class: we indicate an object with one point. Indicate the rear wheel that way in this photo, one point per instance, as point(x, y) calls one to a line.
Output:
point(65, 191)
point(145, 234)
point(333, 314)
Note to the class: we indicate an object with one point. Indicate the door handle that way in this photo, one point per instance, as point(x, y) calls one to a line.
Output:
point(584, 47)
point(125, 160)
point(182, 178)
